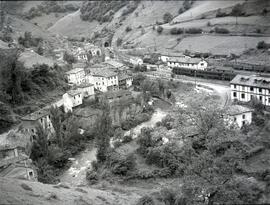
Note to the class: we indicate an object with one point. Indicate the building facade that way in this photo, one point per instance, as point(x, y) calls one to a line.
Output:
point(240, 115)
point(31, 122)
point(75, 76)
point(104, 79)
point(87, 89)
point(72, 99)
point(187, 62)
point(125, 81)
point(245, 88)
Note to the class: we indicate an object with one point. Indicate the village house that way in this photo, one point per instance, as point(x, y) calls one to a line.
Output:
point(125, 81)
point(136, 61)
point(165, 56)
point(14, 161)
point(104, 78)
point(71, 99)
point(80, 54)
point(87, 89)
point(75, 76)
point(240, 115)
point(245, 88)
point(92, 49)
point(187, 62)
point(31, 122)
point(119, 67)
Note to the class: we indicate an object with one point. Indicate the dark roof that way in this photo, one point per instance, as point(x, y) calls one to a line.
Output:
point(73, 92)
point(185, 60)
point(123, 76)
point(84, 85)
point(104, 72)
point(238, 109)
point(75, 70)
point(253, 80)
point(36, 115)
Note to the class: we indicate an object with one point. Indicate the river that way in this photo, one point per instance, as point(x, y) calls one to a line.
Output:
point(76, 174)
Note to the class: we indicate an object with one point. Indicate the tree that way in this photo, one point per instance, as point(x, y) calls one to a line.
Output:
point(159, 29)
point(237, 10)
point(262, 45)
point(167, 17)
point(103, 133)
point(69, 58)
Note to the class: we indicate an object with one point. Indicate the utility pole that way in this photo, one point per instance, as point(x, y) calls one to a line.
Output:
point(195, 75)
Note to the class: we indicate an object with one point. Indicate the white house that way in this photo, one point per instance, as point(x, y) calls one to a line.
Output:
point(165, 56)
point(29, 123)
point(75, 76)
point(187, 62)
point(240, 115)
point(87, 89)
point(72, 99)
point(104, 79)
point(119, 67)
point(80, 54)
point(125, 81)
point(244, 88)
point(136, 61)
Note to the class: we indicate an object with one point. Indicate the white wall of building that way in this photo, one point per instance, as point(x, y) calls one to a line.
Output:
point(76, 78)
point(246, 93)
point(202, 65)
point(102, 83)
point(242, 119)
point(71, 101)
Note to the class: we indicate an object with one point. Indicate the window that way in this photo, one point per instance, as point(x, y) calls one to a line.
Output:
point(242, 95)
point(244, 116)
point(251, 89)
point(234, 86)
point(251, 97)
point(260, 90)
point(243, 87)
point(260, 98)
point(202, 64)
point(31, 174)
point(234, 119)
point(234, 94)
point(74, 97)
point(243, 123)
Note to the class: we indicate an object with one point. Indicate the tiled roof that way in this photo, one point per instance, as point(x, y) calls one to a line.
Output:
point(253, 80)
point(104, 72)
point(36, 115)
point(185, 60)
point(114, 63)
point(75, 70)
point(84, 85)
point(123, 76)
point(73, 92)
point(238, 109)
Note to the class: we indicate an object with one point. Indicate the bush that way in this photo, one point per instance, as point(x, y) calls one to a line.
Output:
point(119, 164)
point(159, 29)
point(92, 176)
point(128, 29)
point(69, 58)
point(220, 14)
point(237, 10)
point(193, 30)
point(180, 11)
point(176, 31)
point(262, 45)
point(146, 200)
point(221, 30)
point(167, 17)
point(127, 139)
point(119, 42)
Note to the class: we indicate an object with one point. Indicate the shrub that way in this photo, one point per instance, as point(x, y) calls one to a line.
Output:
point(167, 17)
point(175, 31)
point(128, 29)
point(69, 58)
point(208, 23)
point(262, 45)
point(221, 30)
point(92, 176)
point(187, 4)
point(193, 30)
point(127, 139)
point(258, 30)
point(159, 29)
point(220, 14)
point(119, 42)
point(180, 11)
point(146, 200)
point(237, 10)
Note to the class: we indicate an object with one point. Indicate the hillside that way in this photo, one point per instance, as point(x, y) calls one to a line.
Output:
point(24, 192)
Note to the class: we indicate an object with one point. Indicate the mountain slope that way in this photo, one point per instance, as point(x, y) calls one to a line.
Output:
point(13, 191)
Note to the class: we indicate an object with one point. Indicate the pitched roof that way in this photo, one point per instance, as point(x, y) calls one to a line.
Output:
point(75, 70)
point(253, 80)
point(84, 85)
point(73, 92)
point(185, 60)
point(123, 76)
point(78, 65)
point(238, 109)
point(36, 115)
point(114, 63)
point(104, 72)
